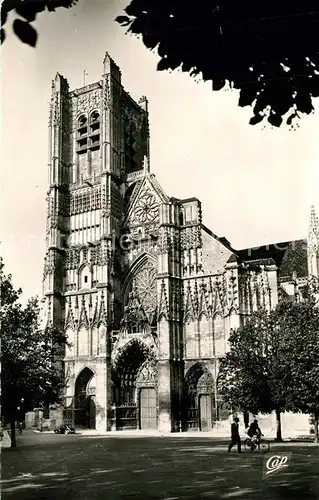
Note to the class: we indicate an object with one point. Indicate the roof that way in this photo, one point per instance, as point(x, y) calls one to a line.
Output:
point(275, 251)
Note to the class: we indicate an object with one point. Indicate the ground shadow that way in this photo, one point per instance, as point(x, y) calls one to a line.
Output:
point(151, 468)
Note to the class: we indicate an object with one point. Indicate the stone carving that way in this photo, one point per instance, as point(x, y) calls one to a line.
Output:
point(85, 200)
point(143, 206)
point(69, 321)
point(72, 258)
point(106, 91)
point(89, 101)
point(146, 209)
point(55, 110)
point(163, 309)
point(102, 339)
point(123, 343)
point(69, 373)
point(191, 238)
point(134, 319)
point(148, 374)
point(83, 319)
point(205, 384)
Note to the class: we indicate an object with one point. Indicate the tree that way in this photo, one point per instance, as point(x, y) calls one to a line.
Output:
point(32, 375)
point(273, 360)
point(251, 377)
point(28, 10)
point(300, 331)
point(267, 50)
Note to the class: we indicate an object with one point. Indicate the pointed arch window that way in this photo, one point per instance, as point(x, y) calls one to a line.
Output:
point(190, 338)
point(85, 278)
point(163, 337)
point(133, 327)
point(83, 341)
point(81, 172)
point(95, 341)
point(95, 130)
point(82, 133)
point(219, 335)
point(205, 336)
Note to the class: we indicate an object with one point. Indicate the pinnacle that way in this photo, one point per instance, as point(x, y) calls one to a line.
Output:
point(146, 165)
point(314, 220)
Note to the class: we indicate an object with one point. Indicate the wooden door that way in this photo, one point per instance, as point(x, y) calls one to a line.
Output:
point(205, 412)
point(148, 410)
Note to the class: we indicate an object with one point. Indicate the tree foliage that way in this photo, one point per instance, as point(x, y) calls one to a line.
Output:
point(300, 331)
point(267, 50)
point(31, 374)
point(251, 376)
point(28, 11)
point(295, 261)
point(273, 359)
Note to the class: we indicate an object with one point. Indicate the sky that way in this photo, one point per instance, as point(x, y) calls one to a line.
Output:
point(256, 185)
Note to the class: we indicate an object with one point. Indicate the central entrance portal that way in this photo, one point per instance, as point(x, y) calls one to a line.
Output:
point(148, 408)
point(135, 377)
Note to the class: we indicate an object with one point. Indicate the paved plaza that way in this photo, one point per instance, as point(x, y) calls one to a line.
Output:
point(57, 467)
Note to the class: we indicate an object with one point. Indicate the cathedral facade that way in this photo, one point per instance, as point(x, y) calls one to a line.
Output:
point(146, 293)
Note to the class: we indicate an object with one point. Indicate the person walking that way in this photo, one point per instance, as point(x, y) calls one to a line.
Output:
point(235, 437)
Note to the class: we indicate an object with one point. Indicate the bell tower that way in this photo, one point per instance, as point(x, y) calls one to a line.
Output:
point(98, 138)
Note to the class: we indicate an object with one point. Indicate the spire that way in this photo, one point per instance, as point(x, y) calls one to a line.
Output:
point(111, 68)
point(146, 165)
point(60, 83)
point(314, 221)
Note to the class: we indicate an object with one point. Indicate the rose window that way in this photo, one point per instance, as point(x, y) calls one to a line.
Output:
point(147, 208)
point(145, 287)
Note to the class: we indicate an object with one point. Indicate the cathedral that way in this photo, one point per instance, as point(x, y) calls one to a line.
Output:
point(145, 292)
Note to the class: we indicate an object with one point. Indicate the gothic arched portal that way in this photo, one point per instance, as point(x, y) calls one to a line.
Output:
point(135, 387)
point(84, 399)
point(199, 401)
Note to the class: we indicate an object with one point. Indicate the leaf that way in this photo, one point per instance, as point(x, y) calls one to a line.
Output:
point(25, 32)
point(303, 103)
point(163, 64)
point(256, 119)
point(150, 40)
point(224, 47)
point(4, 16)
point(247, 97)
point(123, 20)
point(8, 5)
point(27, 10)
point(54, 4)
point(218, 84)
point(275, 120)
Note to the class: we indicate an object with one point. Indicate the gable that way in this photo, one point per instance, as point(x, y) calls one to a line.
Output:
point(143, 206)
point(215, 253)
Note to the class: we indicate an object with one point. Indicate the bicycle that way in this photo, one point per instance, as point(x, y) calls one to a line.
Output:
point(251, 444)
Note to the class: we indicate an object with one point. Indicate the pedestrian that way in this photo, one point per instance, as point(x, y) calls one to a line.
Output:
point(235, 437)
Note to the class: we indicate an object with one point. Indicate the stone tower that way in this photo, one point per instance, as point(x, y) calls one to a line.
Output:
point(98, 142)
